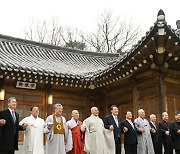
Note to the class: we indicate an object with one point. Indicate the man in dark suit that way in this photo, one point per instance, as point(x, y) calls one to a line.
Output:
point(10, 128)
point(2, 122)
point(130, 136)
point(155, 135)
point(113, 122)
point(166, 134)
point(176, 132)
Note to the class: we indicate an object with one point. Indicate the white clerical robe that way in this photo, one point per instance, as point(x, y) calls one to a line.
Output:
point(33, 136)
point(55, 143)
point(69, 145)
point(98, 140)
point(145, 145)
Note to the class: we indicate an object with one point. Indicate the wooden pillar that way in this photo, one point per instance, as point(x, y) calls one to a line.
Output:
point(135, 99)
point(105, 102)
point(87, 104)
point(47, 107)
point(161, 97)
point(106, 106)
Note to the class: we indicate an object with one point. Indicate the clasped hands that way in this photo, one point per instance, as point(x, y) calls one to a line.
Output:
point(111, 127)
point(2, 122)
point(153, 130)
point(24, 125)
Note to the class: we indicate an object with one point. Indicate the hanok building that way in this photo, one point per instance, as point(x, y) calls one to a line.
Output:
point(148, 76)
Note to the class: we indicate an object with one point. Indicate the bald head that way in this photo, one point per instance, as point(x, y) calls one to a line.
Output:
point(75, 115)
point(95, 111)
point(75, 111)
point(141, 113)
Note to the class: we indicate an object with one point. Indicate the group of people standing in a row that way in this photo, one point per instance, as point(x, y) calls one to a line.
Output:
point(92, 136)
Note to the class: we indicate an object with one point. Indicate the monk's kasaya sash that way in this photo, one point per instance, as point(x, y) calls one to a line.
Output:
point(58, 126)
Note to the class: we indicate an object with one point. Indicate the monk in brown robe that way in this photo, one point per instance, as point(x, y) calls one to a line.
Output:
point(77, 135)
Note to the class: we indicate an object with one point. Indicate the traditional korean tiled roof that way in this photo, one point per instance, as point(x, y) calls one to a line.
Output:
point(160, 23)
point(31, 57)
point(157, 50)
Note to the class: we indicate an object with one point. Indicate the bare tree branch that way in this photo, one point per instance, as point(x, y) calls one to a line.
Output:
point(113, 34)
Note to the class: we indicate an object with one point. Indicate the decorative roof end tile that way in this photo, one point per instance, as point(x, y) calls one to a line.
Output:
point(177, 31)
point(160, 19)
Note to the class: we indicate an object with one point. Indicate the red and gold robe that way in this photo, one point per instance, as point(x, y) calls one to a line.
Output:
point(78, 140)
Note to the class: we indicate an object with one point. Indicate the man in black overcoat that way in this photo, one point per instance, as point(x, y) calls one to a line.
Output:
point(10, 128)
point(155, 135)
point(166, 134)
point(175, 126)
point(130, 135)
point(113, 122)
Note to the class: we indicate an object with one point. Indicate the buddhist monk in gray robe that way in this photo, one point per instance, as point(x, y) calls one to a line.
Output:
point(145, 145)
point(56, 131)
point(98, 140)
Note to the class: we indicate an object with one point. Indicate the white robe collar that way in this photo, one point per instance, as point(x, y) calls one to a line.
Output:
point(31, 116)
point(72, 123)
point(142, 119)
point(93, 116)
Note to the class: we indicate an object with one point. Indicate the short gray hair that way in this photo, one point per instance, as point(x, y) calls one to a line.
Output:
point(140, 110)
point(56, 106)
point(10, 98)
point(164, 113)
point(151, 115)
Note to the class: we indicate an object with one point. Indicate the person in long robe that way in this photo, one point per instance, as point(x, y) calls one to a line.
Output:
point(33, 137)
point(56, 131)
point(145, 145)
point(98, 140)
point(77, 140)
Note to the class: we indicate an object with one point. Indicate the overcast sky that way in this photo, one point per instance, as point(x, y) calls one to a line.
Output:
point(83, 14)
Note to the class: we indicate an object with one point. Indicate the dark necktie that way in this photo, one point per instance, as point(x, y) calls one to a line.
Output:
point(14, 116)
point(167, 125)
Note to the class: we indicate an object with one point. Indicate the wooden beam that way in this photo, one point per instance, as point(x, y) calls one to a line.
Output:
point(168, 43)
point(170, 80)
point(160, 58)
point(152, 45)
point(160, 46)
point(172, 52)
